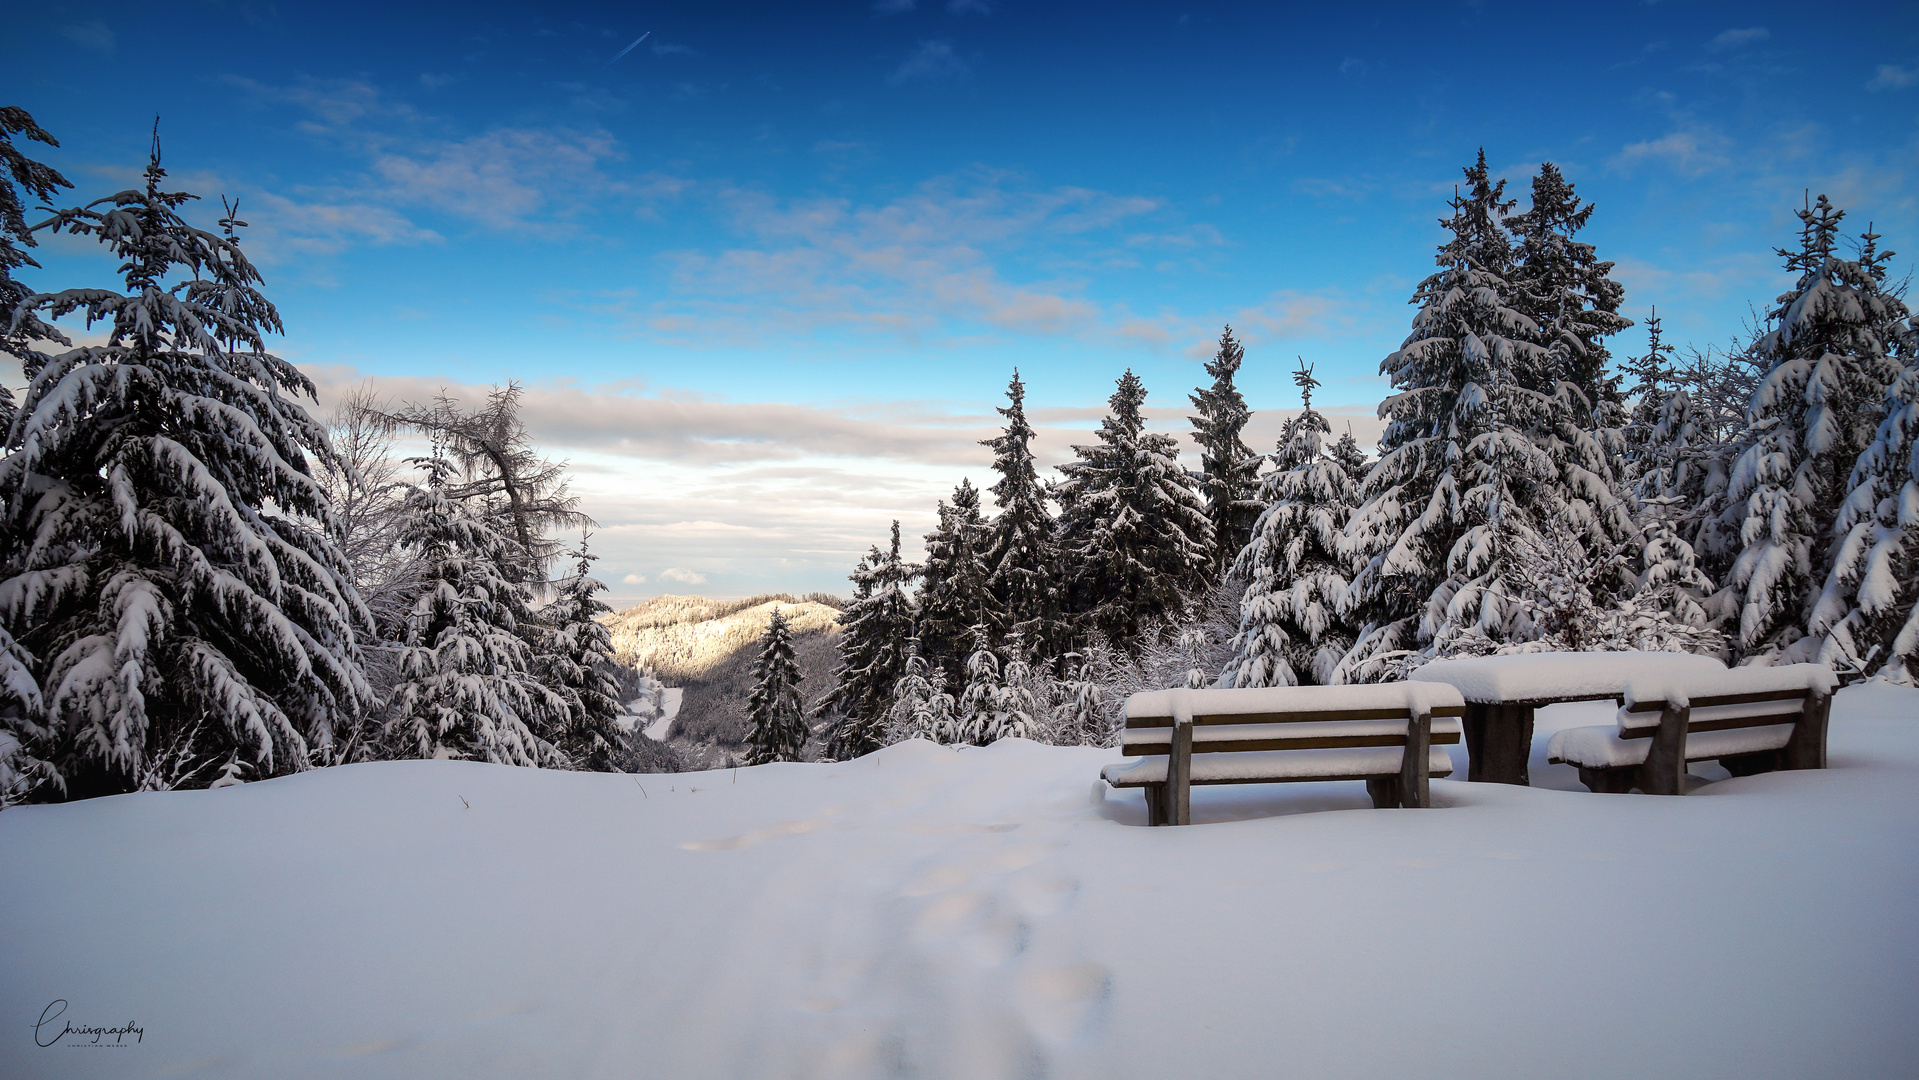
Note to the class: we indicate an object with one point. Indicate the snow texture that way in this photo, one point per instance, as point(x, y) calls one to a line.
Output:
point(973, 913)
point(1564, 676)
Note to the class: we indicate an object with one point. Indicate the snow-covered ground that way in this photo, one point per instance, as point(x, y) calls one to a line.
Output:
point(979, 913)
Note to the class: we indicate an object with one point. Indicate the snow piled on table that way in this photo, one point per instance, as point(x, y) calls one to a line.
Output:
point(977, 913)
point(1537, 676)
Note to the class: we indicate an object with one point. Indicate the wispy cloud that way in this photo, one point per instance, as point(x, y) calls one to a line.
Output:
point(1728, 40)
point(931, 61)
point(1692, 151)
point(681, 575)
point(928, 262)
point(1893, 77)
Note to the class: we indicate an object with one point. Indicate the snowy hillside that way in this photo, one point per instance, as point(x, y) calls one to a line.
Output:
point(683, 638)
point(705, 648)
point(974, 913)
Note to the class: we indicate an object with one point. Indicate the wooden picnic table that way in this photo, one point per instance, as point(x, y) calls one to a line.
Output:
point(1502, 692)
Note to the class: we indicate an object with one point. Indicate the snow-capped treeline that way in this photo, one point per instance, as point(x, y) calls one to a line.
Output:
point(1530, 492)
point(199, 586)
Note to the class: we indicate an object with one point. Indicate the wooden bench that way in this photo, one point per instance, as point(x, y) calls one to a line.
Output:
point(1390, 736)
point(1750, 720)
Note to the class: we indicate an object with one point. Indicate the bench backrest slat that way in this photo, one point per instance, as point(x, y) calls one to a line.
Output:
point(1654, 705)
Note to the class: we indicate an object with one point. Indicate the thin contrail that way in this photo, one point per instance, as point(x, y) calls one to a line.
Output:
point(629, 48)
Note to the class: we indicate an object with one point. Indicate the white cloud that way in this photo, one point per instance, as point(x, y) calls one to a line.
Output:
point(910, 267)
point(933, 61)
point(1893, 77)
point(633, 579)
point(1691, 152)
point(684, 577)
point(1728, 40)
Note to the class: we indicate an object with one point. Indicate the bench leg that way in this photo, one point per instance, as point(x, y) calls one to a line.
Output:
point(1499, 743)
point(1155, 804)
point(1607, 781)
point(1664, 772)
point(1807, 750)
point(1384, 790)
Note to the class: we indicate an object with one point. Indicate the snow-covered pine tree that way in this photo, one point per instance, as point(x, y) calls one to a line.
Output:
point(22, 735)
point(1290, 631)
point(773, 705)
point(1021, 553)
point(1867, 616)
point(576, 662)
point(1457, 476)
point(953, 595)
point(1025, 696)
point(877, 627)
point(979, 703)
point(20, 174)
point(1229, 470)
point(922, 709)
point(1817, 409)
point(173, 569)
point(1134, 532)
point(1650, 377)
point(468, 686)
point(1562, 285)
point(1350, 455)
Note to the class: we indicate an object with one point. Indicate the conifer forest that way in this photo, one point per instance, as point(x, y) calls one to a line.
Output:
point(203, 583)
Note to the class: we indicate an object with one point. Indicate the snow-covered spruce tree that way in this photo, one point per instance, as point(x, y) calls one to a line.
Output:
point(576, 662)
point(1021, 553)
point(22, 735)
point(874, 644)
point(979, 703)
point(1133, 531)
point(1650, 378)
point(172, 568)
point(1025, 699)
point(1294, 566)
point(773, 705)
point(922, 709)
point(1815, 412)
point(1562, 285)
point(468, 685)
point(1229, 470)
point(953, 595)
point(1350, 455)
point(1868, 613)
point(20, 174)
point(1457, 476)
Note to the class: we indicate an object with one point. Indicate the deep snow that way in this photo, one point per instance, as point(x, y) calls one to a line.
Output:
point(977, 913)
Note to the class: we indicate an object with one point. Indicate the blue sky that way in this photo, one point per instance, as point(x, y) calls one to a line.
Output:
point(766, 274)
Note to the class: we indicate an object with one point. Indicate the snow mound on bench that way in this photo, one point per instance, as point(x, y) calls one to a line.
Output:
point(1272, 699)
point(1538, 676)
point(1680, 688)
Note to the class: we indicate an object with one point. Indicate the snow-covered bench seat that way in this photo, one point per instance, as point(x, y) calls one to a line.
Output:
point(1751, 720)
point(1390, 736)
